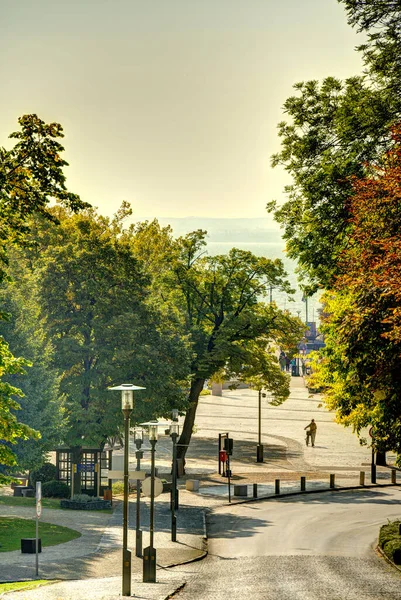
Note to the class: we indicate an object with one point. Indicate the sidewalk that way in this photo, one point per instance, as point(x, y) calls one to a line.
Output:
point(97, 554)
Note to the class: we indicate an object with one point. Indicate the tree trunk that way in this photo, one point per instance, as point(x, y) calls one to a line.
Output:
point(76, 458)
point(186, 434)
point(381, 459)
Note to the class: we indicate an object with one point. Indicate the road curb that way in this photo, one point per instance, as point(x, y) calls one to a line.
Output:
point(204, 547)
point(176, 591)
point(387, 559)
point(196, 559)
point(308, 492)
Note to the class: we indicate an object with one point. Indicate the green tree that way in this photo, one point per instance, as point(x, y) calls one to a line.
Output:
point(360, 367)
point(31, 177)
point(10, 429)
point(93, 298)
point(39, 383)
point(339, 133)
point(220, 303)
point(334, 129)
point(380, 21)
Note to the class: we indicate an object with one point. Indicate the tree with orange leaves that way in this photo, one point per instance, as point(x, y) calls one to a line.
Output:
point(361, 366)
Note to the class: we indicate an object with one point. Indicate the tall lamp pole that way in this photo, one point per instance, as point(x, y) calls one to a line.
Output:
point(149, 553)
point(174, 432)
point(138, 436)
point(127, 406)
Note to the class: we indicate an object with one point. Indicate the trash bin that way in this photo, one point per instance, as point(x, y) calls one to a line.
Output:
point(28, 545)
point(293, 370)
point(108, 495)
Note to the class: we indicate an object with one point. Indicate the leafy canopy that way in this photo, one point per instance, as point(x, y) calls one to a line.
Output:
point(360, 368)
point(219, 305)
point(93, 296)
point(334, 128)
point(31, 177)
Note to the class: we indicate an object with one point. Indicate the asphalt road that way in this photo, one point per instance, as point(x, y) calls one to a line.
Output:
point(311, 547)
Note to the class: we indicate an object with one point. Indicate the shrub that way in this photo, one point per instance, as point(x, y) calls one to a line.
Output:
point(390, 541)
point(84, 498)
point(55, 489)
point(47, 472)
point(118, 488)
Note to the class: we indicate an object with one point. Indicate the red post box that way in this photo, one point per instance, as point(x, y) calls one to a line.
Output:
point(223, 456)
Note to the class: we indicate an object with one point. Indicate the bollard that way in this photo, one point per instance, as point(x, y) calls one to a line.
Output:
point(255, 490)
point(393, 476)
point(332, 480)
point(303, 484)
point(362, 478)
point(277, 487)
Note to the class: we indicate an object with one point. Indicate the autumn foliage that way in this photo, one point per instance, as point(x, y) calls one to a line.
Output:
point(361, 365)
point(372, 262)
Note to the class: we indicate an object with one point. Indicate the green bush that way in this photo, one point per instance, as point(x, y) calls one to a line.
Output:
point(390, 541)
point(205, 392)
point(55, 489)
point(84, 498)
point(118, 488)
point(47, 472)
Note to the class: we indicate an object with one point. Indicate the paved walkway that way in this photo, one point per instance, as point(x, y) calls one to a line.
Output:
point(97, 554)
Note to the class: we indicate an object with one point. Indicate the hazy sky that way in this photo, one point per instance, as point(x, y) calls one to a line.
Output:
point(169, 104)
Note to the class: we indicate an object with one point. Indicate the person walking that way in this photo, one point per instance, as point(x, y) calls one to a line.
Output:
point(311, 433)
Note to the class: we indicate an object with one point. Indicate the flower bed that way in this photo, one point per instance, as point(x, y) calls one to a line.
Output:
point(83, 502)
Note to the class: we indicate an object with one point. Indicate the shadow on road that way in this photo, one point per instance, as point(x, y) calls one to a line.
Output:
point(231, 525)
point(358, 496)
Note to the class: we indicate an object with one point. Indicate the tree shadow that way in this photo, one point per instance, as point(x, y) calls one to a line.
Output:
point(231, 525)
point(244, 451)
point(359, 496)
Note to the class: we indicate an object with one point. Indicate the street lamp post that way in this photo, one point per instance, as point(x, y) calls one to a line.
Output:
point(174, 432)
point(149, 553)
point(138, 436)
point(127, 406)
point(259, 447)
point(372, 464)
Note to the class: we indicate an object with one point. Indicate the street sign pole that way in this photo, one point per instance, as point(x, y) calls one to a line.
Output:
point(38, 513)
point(229, 478)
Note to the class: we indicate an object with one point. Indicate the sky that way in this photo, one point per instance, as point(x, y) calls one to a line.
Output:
point(171, 105)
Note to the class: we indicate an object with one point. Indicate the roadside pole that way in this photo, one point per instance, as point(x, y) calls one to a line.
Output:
point(229, 478)
point(38, 513)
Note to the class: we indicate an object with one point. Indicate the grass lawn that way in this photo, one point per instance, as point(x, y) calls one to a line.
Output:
point(22, 585)
point(19, 501)
point(12, 529)
point(46, 503)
